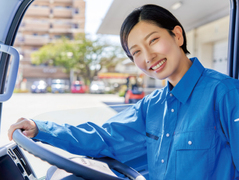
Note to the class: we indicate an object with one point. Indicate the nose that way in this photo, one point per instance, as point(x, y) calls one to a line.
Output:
point(149, 55)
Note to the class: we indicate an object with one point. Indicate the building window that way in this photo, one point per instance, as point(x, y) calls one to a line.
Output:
point(34, 49)
point(57, 36)
point(59, 7)
point(76, 26)
point(77, 11)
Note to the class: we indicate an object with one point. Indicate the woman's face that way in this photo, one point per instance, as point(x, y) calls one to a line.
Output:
point(157, 53)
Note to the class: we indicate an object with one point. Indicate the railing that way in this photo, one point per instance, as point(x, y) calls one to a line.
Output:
point(35, 26)
point(35, 40)
point(38, 11)
point(62, 12)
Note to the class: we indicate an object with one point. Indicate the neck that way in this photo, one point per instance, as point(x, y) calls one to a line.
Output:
point(182, 69)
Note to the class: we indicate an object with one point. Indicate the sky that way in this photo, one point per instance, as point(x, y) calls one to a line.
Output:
point(95, 13)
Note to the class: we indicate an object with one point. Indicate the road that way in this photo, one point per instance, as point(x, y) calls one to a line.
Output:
point(62, 108)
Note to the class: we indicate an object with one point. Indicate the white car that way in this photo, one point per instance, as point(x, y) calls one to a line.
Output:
point(58, 86)
point(97, 87)
point(39, 87)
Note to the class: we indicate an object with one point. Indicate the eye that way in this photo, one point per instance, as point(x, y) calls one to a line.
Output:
point(135, 52)
point(153, 40)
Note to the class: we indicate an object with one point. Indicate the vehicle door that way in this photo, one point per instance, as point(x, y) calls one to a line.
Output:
point(11, 13)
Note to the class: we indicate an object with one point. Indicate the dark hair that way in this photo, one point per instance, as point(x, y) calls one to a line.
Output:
point(154, 14)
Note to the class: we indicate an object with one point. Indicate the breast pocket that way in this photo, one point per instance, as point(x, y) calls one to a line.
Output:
point(153, 146)
point(194, 155)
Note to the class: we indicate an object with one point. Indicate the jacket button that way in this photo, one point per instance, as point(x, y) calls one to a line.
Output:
point(162, 161)
point(190, 142)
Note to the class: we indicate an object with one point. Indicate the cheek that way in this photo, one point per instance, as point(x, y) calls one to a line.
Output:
point(163, 47)
point(139, 63)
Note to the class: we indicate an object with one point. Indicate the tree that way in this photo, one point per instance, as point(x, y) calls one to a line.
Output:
point(83, 55)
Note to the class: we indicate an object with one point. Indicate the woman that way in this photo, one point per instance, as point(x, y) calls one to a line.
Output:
point(189, 129)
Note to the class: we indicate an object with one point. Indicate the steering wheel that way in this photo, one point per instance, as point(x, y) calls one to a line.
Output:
point(86, 170)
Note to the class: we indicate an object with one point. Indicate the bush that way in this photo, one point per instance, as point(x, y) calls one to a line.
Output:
point(16, 90)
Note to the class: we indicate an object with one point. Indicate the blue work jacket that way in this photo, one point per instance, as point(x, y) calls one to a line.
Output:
point(189, 132)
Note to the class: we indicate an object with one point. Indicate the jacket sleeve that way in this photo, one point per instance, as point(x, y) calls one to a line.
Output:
point(122, 137)
point(229, 117)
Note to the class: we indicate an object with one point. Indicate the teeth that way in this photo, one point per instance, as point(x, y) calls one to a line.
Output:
point(158, 65)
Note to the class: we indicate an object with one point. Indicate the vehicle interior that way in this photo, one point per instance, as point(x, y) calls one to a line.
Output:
point(14, 163)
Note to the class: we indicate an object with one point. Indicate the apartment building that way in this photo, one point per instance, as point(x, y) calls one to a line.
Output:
point(44, 22)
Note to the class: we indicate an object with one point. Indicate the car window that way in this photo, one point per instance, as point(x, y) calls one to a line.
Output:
point(8, 14)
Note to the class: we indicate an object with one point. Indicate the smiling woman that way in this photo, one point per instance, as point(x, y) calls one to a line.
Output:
point(187, 130)
point(155, 51)
point(179, 139)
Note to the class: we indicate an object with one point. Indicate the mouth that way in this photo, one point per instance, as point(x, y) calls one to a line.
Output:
point(158, 64)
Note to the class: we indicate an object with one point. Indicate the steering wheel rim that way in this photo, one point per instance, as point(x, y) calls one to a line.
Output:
point(77, 169)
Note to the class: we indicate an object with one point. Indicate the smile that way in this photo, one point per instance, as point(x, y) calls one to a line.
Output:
point(158, 65)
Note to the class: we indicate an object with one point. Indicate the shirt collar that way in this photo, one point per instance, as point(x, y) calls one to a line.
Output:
point(185, 86)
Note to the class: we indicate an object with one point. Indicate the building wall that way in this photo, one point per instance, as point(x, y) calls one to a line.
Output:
point(201, 41)
point(44, 22)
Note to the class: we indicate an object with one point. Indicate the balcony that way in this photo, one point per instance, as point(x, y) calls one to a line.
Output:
point(63, 1)
point(79, 3)
point(35, 40)
point(27, 53)
point(41, 11)
point(35, 26)
point(77, 31)
point(60, 26)
point(62, 12)
point(43, 1)
point(19, 40)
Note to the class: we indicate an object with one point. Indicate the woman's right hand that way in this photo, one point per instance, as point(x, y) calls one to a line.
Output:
point(27, 126)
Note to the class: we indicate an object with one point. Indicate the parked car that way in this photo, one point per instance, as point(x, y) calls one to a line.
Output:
point(58, 86)
point(97, 87)
point(39, 87)
point(78, 87)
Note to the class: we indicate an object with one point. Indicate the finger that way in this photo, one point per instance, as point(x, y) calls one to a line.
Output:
point(21, 119)
point(12, 129)
point(22, 123)
point(29, 133)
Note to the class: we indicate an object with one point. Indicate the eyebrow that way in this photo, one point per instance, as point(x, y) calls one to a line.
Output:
point(146, 37)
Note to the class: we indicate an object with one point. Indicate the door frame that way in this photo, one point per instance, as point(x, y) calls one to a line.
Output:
point(10, 38)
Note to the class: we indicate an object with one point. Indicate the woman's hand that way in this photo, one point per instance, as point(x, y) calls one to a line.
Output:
point(27, 126)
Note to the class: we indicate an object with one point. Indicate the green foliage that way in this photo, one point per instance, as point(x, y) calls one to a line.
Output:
point(122, 90)
point(83, 55)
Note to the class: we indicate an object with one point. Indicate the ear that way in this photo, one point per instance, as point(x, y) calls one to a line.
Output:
point(178, 35)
